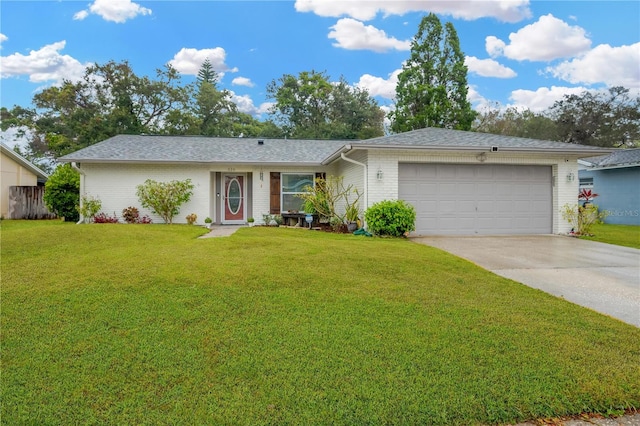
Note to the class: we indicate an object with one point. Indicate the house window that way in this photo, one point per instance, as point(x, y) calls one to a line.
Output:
point(292, 185)
point(586, 183)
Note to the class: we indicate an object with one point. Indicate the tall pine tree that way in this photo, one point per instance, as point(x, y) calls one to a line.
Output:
point(432, 87)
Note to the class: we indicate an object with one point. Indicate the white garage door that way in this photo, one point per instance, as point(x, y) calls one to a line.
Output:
point(482, 199)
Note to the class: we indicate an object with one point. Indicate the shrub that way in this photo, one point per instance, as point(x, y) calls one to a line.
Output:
point(105, 218)
point(145, 220)
point(89, 207)
point(62, 193)
point(165, 198)
point(394, 218)
point(191, 218)
point(130, 214)
point(582, 218)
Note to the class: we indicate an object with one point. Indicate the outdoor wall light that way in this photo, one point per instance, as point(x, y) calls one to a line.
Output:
point(380, 174)
point(481, 157)
point(570, 177)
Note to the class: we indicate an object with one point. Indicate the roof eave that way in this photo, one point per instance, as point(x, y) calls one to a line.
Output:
point(201, 163)
point(576, 152)
point(24, 162)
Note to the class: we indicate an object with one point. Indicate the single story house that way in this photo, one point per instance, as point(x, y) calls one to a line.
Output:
point(17, 171)
point(615, 177)
point(463, 183)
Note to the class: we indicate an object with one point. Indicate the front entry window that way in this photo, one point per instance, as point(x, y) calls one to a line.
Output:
point(234, 196)
point(294, 184)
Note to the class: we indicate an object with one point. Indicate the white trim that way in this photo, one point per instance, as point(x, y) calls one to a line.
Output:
point(282, 193)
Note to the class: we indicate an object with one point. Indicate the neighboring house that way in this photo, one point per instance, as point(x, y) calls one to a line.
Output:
point(16, 171)
point(460, 182)
point(616, 179)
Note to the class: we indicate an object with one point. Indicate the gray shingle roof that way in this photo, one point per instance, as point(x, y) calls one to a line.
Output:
point(458, 139)
point(621, 157)
point(200, 149)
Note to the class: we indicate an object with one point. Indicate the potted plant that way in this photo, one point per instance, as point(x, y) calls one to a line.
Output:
point(207, 222)
point(351, 215)
point(251, 221)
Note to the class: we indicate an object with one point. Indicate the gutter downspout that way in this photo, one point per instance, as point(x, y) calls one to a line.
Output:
point(82, 176)
point(365, 182)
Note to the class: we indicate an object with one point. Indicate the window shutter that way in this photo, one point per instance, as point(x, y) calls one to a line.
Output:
point(275, 193)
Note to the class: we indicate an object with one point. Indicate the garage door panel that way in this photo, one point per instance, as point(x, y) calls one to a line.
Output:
point(478, 199)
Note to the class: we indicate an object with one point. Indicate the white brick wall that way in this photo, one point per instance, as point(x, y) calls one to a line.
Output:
point(115, 185)
point(387, 161)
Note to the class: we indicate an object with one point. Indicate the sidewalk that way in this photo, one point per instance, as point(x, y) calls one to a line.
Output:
point(222, 230)
point(628, 420)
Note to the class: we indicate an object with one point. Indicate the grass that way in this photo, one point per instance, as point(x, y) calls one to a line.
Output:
point(621, 235)
point(146, 324)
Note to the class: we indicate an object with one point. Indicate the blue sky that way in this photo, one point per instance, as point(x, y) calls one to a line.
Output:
point(519, 52)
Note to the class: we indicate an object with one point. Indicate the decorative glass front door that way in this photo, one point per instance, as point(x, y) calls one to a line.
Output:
point(234, 198)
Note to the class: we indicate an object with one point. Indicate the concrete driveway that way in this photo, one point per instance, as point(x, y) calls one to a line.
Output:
point(603, 277)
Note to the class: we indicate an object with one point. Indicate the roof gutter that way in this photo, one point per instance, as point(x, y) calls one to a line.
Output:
point(82, 177)
point(481, 148)
point(338, 154)
point(365, 181)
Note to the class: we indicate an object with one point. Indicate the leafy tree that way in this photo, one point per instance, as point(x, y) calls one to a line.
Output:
point(165, 198)
point(608, 119)
point(62, 193)
point(110, 99)
point(309, 106)
point(515, 122)
point(432, 87)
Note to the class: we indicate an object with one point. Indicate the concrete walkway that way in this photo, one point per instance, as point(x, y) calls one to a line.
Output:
point(603, 277)
point(222, 230)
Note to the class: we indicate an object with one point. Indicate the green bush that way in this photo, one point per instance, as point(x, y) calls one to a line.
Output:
point(62, 193)
point(89, 207)
point(165, 198)
point(582, 218)
point(395, 218)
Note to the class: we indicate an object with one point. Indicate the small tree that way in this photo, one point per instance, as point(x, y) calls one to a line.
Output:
point(62, 193)
point(582, 218)
point(89, 207)
point(165, 198)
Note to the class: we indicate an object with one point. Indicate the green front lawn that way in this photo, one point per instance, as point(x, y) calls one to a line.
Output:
point(621, 235)
point(146, 324)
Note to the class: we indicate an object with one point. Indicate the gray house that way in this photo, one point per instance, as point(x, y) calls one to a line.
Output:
point(615, 178)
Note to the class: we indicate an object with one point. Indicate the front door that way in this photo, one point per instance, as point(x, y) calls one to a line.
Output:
point(234, 199)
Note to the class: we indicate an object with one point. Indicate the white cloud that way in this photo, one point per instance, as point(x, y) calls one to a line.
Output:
point(494, 46)
point(478, 101)
point(245, 104)
point(488, 68)
point(117, 11)
point(242, 81)
point(542, 98)
point(378, 86)
point(188, 61)
point(547, 39)
point(614, 66)
point(79, 16)
point(365, 10)
point(46, 64)
point(3, 38)
point(354, 35)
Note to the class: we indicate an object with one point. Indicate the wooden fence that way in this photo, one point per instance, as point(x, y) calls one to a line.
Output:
point(25, 202)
